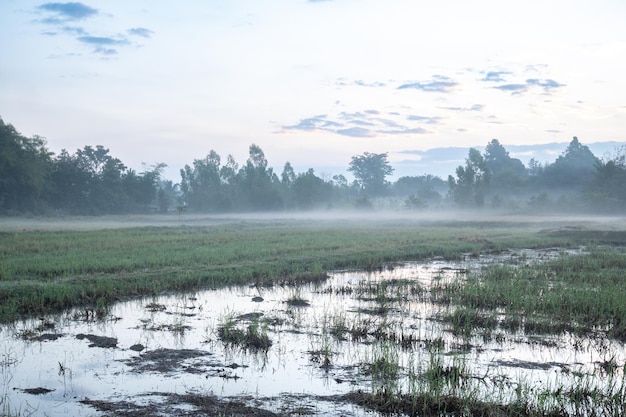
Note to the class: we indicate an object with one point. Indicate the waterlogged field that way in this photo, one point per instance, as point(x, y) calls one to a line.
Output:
point(317, 318)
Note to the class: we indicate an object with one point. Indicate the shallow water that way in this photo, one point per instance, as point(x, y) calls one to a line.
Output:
point(316, 351)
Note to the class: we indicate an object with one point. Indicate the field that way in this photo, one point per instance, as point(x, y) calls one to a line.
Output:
point(554, 280)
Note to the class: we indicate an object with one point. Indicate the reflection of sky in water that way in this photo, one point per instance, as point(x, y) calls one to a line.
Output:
point(288, 366)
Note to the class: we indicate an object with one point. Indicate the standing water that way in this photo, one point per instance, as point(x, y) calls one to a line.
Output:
point(283, 348)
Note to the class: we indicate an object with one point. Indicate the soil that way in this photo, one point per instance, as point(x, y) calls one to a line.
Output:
point(179, 405)
point(36, 391)
point(98, 341)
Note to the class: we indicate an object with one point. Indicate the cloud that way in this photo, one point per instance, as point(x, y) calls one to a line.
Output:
point(63, 12)
point(495, 76)
point(314, 123)
point(405, 131)
point(439, 84)
point(59, 14)
point(367, 123)
point(102, 40)
point(513, 88)
point(343, 82)
point(105, 51)
point(546, 85)
point(74, 30)
point(143, 32)
point(474, 107)
point(366, 84)
point(357, 132)
point(426, 119)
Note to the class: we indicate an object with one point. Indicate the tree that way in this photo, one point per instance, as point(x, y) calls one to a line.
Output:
point(309, 190)
point(607, 190)
point(201, 185)
point(573, 168)
point(259, 184)
point(370, 171)
point(25, 164)
point(91, 181)
point(507, 175)
point(472, 182)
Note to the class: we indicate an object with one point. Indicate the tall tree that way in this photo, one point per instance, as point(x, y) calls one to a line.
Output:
point(310, 191)
point(370, 171)
point(25, 164)
point(507, 175)
point(259, 184)
point(573, 168)
point(472, 182)
point(201, 185)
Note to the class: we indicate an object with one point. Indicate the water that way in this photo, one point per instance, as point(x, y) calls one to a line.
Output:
point(316, 350)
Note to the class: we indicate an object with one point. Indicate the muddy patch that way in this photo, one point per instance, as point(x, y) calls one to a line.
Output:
point(35, 391)
point(98, 341)
point(179, 405)
point(171, 360)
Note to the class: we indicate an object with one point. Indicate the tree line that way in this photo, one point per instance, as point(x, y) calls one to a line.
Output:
point(91, 181)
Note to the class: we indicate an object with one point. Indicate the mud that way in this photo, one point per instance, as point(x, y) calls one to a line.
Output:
point(98, 341)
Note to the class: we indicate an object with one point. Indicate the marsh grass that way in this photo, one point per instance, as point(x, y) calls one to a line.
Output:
point(253, 338)
point(442, 385)
point(582, 294)
point(50, 271)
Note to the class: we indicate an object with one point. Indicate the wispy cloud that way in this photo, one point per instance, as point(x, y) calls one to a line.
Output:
point(102, 40)
point(473, 107)
point(546, 85)
point(370, 84)
point(143, 32)
point(105, 51)
point(513, 88)
point(314, 123)
point(495, 76)
point(58, 15)
point(425, 119)
point(64, 12)
point(438, 84)
point(357, 132)
point(343, 82)
point(367, 123)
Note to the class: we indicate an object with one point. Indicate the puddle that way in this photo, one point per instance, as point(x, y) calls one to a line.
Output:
point(284, 349)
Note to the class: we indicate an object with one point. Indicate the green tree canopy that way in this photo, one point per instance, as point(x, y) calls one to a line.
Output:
point(471, 184)
point(25, 164)
point(370, 171)
point(573, 168)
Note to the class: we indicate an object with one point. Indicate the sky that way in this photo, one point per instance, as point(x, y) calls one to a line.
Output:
point(312, 82)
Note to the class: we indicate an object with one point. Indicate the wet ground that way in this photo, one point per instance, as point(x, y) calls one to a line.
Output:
point(282, 350)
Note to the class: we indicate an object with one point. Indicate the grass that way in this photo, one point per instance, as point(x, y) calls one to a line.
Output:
point(253, 338)
point(577, 293)
point(43, 272)
point(49, 271)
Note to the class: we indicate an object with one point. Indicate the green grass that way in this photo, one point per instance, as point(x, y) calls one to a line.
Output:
point(578, 293)
point(49, 271)
point(253, 338)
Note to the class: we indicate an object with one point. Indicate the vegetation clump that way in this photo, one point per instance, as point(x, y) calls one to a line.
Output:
point(254, 337)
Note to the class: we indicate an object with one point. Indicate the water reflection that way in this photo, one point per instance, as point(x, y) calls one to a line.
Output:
point(356, 330)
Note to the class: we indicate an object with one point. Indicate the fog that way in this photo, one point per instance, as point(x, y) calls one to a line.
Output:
point(336, 218)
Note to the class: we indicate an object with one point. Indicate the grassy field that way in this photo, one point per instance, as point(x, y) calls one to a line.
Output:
point(48, 266)
point(49, 270)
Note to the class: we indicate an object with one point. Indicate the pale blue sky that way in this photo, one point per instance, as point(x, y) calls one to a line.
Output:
point(311, 82)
